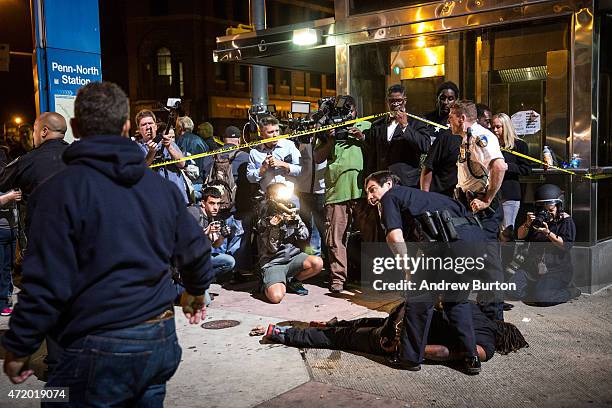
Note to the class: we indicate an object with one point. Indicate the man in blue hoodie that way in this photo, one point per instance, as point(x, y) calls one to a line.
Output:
point(105, 231)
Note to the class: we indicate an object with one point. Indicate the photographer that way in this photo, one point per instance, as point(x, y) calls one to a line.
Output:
point(545, 277)
point(280, 229)
point(343, 181)
point(222, 234)
point(164, 150)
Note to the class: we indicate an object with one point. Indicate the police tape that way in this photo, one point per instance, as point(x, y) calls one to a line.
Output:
point(589, 176)
point(271, 139)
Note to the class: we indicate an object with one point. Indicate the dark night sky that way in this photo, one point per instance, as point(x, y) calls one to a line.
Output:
point(17, 85)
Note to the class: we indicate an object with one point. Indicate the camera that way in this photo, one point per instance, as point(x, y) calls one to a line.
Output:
point(542, 217)
point(225, 230)
point(332, 111)
point(256, 112)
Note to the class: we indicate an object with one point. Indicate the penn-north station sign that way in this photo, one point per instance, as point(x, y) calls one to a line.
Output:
point(74, 74)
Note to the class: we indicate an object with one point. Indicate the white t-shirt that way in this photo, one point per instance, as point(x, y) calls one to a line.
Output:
point(481, 157)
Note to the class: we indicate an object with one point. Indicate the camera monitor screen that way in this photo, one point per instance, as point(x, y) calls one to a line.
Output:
point(300, 107)
point(272, 109)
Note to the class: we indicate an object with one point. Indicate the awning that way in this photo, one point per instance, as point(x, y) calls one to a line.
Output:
point(274, 47)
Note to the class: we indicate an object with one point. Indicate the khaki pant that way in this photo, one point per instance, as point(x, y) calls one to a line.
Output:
point(338, 220)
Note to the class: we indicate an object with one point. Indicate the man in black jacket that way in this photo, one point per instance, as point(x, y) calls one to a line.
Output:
point(31, 169)
point(397, 144)
point(105, 232)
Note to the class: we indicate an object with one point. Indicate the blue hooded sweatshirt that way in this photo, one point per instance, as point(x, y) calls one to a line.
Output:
point(102, 236)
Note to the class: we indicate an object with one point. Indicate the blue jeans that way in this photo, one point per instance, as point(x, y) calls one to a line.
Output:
point(125, 367)
point(7, 258)
point(312, 213)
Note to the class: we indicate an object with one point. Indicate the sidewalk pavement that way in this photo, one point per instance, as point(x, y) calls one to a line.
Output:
point(568, 363)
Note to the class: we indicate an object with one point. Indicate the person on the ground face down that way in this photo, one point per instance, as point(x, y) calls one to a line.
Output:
point(545, 279)
point(439, 173)
point(343, 194)
point(280, 230)
point(406, 215)
point(165, 150)
point(510, 190)
point(97, 276)
point(381, 336)
point(397, 143)
point(480, 173)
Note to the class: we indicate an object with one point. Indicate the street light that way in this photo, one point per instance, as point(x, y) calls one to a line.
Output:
point(17, 120)
point(306, 36)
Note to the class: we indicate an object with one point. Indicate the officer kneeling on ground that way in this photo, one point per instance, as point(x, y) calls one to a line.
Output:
point(280, 230)
point(545, 277)
point(409, 214)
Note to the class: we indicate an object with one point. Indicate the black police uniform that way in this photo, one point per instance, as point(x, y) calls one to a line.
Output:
point(31, 169)
point(401, 208)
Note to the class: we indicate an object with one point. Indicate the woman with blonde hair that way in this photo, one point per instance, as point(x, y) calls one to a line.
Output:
point(517, 166)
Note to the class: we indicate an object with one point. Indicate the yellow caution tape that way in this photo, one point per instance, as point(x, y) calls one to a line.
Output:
point(271, 139)
point(589, 176)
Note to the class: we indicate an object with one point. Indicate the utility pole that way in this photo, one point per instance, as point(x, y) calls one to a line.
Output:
point(259, 80)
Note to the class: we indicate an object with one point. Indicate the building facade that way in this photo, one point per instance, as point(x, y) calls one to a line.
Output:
point(545, 62)
point(170, 47)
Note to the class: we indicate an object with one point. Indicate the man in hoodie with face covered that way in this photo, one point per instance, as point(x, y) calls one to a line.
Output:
point(105, 231)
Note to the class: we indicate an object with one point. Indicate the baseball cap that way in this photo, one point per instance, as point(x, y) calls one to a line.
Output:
point(231, 132)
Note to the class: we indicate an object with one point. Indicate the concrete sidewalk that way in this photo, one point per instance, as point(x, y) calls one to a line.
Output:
point(568, 362)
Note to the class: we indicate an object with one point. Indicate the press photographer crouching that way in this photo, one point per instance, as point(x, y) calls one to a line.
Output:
point(280, 230)
point(222, 233)
point(544, 278)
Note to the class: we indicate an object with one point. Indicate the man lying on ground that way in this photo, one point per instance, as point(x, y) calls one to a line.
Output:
point(381, 336)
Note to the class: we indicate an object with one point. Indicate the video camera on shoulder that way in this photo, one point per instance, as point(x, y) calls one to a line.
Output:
point(335, 110)
point(173, 105)
point(256, 112)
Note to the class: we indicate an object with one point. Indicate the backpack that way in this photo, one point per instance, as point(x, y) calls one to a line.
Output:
point(222, 177)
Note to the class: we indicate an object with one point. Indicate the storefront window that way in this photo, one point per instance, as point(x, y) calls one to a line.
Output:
point(519, 70)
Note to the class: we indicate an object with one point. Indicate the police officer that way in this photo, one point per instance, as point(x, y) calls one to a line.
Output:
point(30, 170)
point(406, 214)
point(480, 173)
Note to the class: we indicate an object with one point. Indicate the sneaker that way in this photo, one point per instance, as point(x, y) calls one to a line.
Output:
point(275, 334)
point(336, 287)
point(295, 286)
point(6, 311)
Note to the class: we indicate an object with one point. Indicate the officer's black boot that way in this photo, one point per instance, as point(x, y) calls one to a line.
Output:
point(394, 361)
point(471, 365)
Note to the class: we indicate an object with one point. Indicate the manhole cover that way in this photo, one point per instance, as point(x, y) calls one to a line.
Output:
point(220, 324)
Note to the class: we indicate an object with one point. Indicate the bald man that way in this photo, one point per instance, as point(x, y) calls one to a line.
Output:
point(28, 171)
